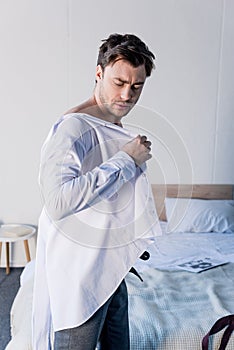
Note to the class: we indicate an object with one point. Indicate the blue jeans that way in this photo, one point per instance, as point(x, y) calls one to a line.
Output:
point(109, 325)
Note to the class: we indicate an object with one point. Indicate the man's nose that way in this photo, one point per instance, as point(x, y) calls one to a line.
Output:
point(126, 93)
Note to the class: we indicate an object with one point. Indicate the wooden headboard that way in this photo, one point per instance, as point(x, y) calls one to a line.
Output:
point(211, 191)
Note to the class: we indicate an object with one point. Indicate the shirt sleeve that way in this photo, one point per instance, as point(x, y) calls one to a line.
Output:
point(65, 188)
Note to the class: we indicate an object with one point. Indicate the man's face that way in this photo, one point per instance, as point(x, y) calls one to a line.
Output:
point(118, 88)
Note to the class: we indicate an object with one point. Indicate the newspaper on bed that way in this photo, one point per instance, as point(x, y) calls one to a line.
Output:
point(199, 265)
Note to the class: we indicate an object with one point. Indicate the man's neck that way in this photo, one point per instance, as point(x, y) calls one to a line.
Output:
point(92, 108)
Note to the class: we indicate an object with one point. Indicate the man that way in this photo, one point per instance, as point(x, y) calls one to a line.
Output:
point(98, 215)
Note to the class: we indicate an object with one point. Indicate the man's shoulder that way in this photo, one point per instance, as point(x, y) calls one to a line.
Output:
point(73, 120)
point(70, 125)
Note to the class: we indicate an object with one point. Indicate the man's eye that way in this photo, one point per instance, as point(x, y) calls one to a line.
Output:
point(136, 87)
point(118, 83)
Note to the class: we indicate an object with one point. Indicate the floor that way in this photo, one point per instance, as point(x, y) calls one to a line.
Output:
point(9, 285)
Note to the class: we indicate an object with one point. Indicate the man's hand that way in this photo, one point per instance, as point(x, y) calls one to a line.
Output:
point(139, 149)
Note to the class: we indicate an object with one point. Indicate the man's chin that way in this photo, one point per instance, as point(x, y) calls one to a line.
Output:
point(121, 112)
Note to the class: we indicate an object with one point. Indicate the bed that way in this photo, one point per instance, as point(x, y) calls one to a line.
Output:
point(188, 281)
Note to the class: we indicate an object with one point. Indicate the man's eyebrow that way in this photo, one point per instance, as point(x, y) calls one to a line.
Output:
point(127, 82)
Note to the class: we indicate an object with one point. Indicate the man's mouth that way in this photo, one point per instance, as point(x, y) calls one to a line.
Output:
point(123, 105)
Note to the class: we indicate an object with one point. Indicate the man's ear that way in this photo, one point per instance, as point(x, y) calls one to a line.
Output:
point(99, 73)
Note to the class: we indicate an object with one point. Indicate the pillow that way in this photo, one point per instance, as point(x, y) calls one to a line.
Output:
point(199, 215)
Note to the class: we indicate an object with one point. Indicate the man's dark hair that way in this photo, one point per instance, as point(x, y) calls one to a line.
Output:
point(128, 47)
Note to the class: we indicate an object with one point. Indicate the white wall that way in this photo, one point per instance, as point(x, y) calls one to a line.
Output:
point(47, 64)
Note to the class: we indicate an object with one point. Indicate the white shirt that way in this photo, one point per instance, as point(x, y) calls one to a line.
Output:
point(99, 217)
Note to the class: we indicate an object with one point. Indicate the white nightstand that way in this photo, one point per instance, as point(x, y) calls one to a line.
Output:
point(13, 233)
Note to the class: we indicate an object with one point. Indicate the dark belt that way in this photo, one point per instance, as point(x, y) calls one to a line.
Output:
point(226, 321)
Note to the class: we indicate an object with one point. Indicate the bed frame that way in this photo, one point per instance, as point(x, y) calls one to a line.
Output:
point(201, 191)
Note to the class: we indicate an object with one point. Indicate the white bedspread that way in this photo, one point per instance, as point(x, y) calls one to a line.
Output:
point(174, 310)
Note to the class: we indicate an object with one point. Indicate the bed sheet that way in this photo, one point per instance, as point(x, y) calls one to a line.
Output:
point(169, 250)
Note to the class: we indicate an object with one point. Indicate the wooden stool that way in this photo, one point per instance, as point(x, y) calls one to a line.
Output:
point(13, 233)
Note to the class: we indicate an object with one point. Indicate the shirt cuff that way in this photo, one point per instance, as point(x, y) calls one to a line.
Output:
point(126, 164)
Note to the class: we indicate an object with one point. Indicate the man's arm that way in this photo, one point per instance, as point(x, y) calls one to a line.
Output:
point(65, 189)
